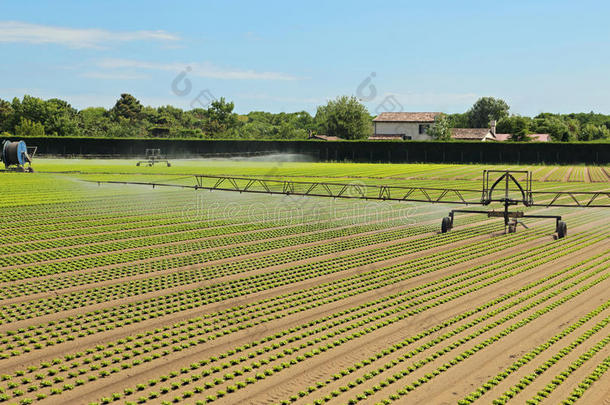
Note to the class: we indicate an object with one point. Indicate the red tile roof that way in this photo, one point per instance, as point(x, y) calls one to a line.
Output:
point(406, 117)
point(533, 137)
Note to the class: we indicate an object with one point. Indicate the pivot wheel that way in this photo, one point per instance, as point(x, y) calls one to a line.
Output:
point(446, 225)
point(512, 227)
point(562, 229)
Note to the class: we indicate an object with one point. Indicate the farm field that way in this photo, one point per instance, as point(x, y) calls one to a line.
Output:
point(118, 294)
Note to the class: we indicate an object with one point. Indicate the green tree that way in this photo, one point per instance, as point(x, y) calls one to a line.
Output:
point(458, 120)
point(28, 127)
point(441, 130)
point(573, 129)
point(344, 117)
point(7, 116)
point(552, 125)
point(485, 110)
point(513, 124)
point(127, 107)
point(31, 108)
point(94, 122)
point(124, 128)
point(60, 118)
point(221, 117)
point(520, 129)
point(591, 132)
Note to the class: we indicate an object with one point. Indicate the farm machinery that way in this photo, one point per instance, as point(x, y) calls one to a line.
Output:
point(16, 155)
point(524, 195)
point(501, 188)
point(153, 156)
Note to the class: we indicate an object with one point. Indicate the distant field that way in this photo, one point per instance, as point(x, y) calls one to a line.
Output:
point(343, 170)
point(128, 294)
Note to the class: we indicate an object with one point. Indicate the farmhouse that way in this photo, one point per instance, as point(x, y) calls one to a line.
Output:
point(403, 125)
point(414, 126)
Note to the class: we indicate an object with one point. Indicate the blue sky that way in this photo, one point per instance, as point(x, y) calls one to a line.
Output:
point(290, 56)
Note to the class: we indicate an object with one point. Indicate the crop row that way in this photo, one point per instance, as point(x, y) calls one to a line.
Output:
point(130, 230)
point(585, 384)
point(189, 241)
point(223, 290)
point(567, 276)
point(416, 267)
point(103, 213)
point(559, 378)
point(525, 359)
point(84, 325)
point(37, 286)
point(148, 218)
point(597, 174)
point(378, 356)
point(172, 226)
point(182, 261)
point(335, 332)
point(239, 266)
point(469, 352)
point(386, 311)
point(148, 346)
point(199, 252)
point(577, 173)
point(208, 215)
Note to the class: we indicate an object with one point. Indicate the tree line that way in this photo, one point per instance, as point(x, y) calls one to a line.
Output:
point(562, 127)
point(345, 117)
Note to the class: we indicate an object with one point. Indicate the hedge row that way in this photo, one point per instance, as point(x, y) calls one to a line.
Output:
point(354, 151)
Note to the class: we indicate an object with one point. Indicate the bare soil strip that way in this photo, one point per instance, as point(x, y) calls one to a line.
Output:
point(546, 176)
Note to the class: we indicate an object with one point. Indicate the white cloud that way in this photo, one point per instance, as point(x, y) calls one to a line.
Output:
point(205, 69)
point(15, 31)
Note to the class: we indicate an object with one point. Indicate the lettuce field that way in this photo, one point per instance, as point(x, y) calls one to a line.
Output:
point(123, 294)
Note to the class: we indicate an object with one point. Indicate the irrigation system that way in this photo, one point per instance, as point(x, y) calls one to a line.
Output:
point(507, 188)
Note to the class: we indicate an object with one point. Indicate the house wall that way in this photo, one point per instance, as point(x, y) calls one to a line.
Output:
point(489, 137)
point(408, 128)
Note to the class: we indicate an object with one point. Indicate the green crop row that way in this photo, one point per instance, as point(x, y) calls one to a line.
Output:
point(585, 384)
point(397, 317)
point(161, 345)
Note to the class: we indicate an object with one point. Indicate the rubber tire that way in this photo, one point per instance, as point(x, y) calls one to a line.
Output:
point(169, 165)
point(445, 225)
point(138, 164)
point(562, 229)
point(512, 228)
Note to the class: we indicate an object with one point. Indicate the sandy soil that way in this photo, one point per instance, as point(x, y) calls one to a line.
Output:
point(339, 318)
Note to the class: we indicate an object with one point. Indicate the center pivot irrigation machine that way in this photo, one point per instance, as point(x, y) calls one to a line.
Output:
point(153, 156)
point(506, 188)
